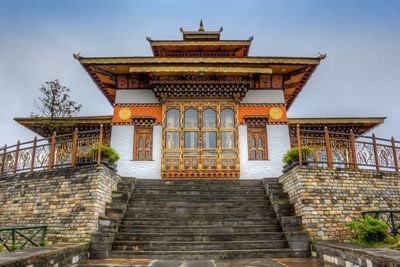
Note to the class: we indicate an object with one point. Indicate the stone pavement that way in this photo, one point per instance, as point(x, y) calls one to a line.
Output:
point(265, 262)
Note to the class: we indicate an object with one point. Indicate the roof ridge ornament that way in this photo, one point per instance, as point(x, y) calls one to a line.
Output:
point(322, 55)
point(201, 27)
point(77, 55)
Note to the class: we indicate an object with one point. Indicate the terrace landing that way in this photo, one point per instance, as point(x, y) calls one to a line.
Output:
point(261, 262)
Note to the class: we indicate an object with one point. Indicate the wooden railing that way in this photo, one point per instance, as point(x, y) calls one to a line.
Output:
point(15, 238)
point(54, 152)
point(347, 150)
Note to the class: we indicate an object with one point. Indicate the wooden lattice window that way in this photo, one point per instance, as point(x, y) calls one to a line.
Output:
point(257, 139)
point(143, 143)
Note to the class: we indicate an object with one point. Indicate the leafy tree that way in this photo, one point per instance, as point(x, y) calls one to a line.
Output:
point(55, 107)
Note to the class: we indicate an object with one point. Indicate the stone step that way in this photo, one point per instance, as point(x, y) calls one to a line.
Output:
point(136, 236)
point(205, 192)
point(201, 209)
point(187, 204)
point(199, 181)
point(200, 187)
point(202, 215)
point(198, 229)
point(211, 254)
point(198, 245)
point(204, 197)
point(188, 222)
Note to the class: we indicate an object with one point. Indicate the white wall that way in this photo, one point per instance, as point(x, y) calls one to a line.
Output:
point(264, 96)
point(278, 144)
point(122, 142)
point(135, 96)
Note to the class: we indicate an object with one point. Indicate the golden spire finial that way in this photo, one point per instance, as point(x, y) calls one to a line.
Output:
point(201, 28)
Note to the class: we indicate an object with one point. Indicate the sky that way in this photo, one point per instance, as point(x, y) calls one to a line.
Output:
point(360, 76)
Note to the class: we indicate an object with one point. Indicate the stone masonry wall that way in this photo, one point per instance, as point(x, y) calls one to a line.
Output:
point(325, 197)
point(68, 200)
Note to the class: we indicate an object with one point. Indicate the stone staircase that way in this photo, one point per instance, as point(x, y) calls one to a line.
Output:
point(201, 219)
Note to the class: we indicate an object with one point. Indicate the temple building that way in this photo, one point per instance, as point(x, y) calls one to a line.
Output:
point(202, 107)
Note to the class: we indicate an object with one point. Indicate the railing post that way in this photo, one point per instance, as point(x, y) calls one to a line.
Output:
point(100, 143)
point(33, 153)
point(13, 240)
point(16, 157)
point(74, 146)
point(299, 144)
point(328, 148)
point(3, 160)
point(353, 149)
point(52, 151)
point(395, 159)
point(376, 156)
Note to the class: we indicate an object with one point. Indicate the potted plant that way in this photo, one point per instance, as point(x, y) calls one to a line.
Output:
point(109, 156)
point(291, 157)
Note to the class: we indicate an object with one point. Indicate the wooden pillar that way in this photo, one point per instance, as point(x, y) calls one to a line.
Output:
point(100, 143)
point(353, 149)
point(74, 146)
point(395, 159)
point(16, 157)
point(3, 160)
point(376, 156)
point(299, 144)
point(33, 153)
point(328, 148)
point(52, 150)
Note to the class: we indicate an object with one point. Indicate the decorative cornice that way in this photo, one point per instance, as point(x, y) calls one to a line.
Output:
point(262, 105)
point(137, 105)
point(243, 60)
point(256, 120)
point(198, 69)
point(144, 121)
point(200, 43)
point(236, 91)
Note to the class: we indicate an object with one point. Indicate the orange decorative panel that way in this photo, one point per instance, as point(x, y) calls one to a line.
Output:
point(136, 111)
point(277, 81)
point(122, 81)
point(265, 81)
point(275, 114)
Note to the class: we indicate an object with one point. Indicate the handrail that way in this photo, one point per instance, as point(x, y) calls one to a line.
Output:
point(52, 152)
point(14, 238)
point(347, 150)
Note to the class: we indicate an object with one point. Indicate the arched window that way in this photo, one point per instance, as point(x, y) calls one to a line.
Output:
point(209, 118)
point(191, 118)
point(227, 118)
point(173, 121)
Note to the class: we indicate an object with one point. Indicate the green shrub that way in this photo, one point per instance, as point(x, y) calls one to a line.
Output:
point(106, 152)
point(369, 231)
point(292, 155)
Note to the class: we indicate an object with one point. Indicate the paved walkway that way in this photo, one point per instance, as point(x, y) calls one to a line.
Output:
point(287, 262)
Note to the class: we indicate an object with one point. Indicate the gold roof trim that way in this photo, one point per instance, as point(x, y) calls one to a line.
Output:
point(200, 43)
point(374, 120)
point(196, 69)
point(245, 60)
point(81, 119)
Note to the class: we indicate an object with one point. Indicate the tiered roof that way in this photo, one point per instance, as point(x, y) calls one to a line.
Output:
point(200, 53)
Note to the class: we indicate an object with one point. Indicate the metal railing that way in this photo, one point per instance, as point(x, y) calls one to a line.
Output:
point(54, 152)
point(347, 150)
point(16, 238)
point(390, 217)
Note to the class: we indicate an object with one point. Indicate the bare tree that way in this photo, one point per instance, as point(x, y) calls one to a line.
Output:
point(55, 107)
